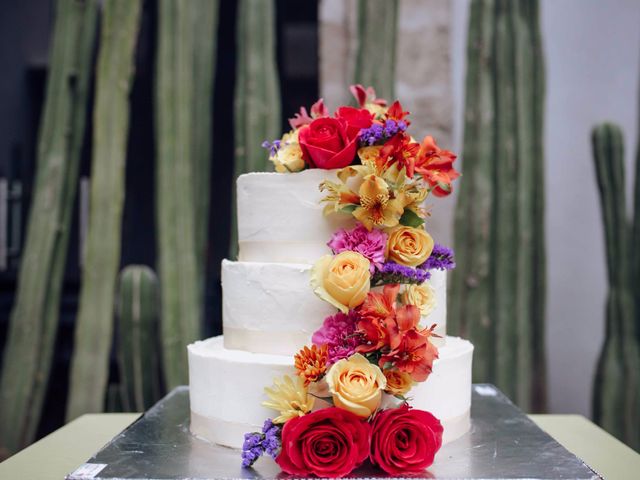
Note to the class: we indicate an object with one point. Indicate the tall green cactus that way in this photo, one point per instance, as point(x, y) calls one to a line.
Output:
point(257, 94)
point(376, 55)
point(498, 290)
point(616, 402)
point(34, 318)
point(205, 24)
point(183, 82)
point(94, 322)
point(138, 340)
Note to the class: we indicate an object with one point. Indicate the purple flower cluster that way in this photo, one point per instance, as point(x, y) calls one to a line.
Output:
point(369, 244)
point(379, 133)
point(257, 444)
point(392, 272)
point(441, 258)
point(273, 147)
point(338, 332)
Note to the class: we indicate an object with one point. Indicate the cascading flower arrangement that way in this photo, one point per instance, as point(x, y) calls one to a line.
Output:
point(349, 399)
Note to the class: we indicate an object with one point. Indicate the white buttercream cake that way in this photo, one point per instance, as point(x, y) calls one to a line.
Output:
point(270, 311)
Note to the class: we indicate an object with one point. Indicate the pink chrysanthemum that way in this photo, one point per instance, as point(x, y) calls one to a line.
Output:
point(370, 244)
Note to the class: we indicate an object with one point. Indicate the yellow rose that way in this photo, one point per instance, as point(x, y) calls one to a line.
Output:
point(409, 246)
point(398, 383)
point(288, 158)
point(343, 280)
point(356, 385)
point(369, 154)
point(422, 296)
point(290, 137)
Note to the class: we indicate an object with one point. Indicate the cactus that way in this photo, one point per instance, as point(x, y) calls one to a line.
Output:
point(616, 401)
point(257, 95)
point(376, 55)
point(205, 23)
point(178, 260)
point(34, 318)
point(497, 297)
point(94, 322)
point(138, 341)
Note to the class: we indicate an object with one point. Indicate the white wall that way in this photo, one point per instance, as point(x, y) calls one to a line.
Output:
point(592, 52)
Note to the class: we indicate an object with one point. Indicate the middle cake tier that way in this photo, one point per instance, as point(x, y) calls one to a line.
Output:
point(271, 308)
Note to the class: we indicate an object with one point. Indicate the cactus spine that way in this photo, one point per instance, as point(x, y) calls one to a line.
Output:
point(34, 318)
point(498, 290)
point(181, 73)
point(376, 56)
point(94, 323)
point(257, 94)
point(616, 399)
point(138, 360)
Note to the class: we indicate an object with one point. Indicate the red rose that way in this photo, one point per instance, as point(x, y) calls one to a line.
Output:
point(327, 443)
point(355, 119)
point(332, 142)
point(404, 440)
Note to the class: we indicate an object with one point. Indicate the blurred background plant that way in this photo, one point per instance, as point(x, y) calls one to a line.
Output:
point(117, 182)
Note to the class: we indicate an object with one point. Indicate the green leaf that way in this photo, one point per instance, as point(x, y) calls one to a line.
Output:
point(349, 208)
point(410, 218)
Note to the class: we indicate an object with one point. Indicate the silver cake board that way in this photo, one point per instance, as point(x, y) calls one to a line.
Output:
point(503, 443)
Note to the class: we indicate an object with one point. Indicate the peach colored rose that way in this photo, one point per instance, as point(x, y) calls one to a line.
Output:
point(356, 385)
point(409, 246)
point(398, 383)
point(422, 296)
point(343, 280)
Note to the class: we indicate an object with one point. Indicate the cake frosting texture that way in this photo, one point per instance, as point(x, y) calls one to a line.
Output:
point(280, 217)
point(269, 307)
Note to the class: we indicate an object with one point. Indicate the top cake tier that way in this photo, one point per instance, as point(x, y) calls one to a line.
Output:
point(280, 217)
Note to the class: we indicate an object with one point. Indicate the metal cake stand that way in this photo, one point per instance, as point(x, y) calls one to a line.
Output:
point(503, 443)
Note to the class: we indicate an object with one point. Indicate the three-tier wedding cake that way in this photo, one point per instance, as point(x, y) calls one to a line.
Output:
point(337, 304)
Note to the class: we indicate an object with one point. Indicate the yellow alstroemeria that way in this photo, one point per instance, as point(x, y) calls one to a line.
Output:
point(378, 207)
point(290, 397)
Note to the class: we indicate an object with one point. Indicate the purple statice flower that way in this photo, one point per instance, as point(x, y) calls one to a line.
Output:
point(273, 147)
point(441, 258)
point(378, 134)
point(372, 135)
point(252, 448)
point(369, 244)
point(272, 441)
point(391, 127)
point(338, 332)
point(256, 444)
point(392, 272)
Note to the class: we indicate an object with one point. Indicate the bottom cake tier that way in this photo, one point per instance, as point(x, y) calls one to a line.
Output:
point(226, 389)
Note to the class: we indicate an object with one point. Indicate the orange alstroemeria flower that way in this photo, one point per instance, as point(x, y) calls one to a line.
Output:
point(379, 306)
point(376, 313)
point(399, 149)
point(436, 166)
point(414, 355)
point(405, 320)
